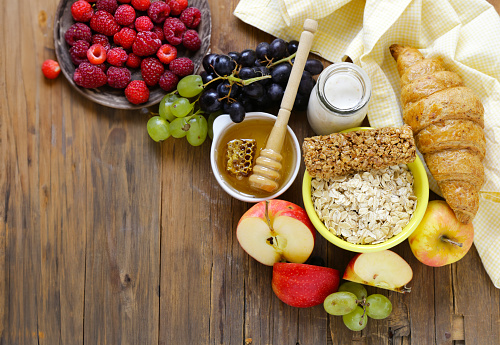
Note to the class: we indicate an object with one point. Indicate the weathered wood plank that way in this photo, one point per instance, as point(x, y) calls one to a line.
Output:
point(123, 229)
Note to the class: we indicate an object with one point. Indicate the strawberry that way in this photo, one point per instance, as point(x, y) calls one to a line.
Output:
point(137, 92)
point(151, 70)
point(146, 43)
point(104, 23)
point(51, 69)
point(166, 53)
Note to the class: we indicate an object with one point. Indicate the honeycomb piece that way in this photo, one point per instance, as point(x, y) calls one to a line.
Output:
point(240, 154)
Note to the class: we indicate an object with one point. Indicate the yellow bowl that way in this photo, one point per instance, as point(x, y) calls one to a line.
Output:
point(420, 188)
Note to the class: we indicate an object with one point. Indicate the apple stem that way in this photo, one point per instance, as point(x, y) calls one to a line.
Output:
point(446, 239)
point(268, 220)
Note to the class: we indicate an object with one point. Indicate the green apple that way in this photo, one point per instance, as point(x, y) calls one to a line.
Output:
point(440, 239)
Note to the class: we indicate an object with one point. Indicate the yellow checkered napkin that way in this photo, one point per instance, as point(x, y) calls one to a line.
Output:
point(465, 33)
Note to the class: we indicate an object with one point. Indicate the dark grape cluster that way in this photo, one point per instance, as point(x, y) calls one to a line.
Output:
point(254, 80)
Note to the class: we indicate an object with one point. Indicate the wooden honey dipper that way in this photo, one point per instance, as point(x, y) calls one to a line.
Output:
point(266, 172)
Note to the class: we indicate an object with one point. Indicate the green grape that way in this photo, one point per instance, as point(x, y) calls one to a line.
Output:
point(179, 127)
point(340, 303)
point(211, 119)
point(356, 288)
point(181, 107)
point(198, 131)
point(355, 320)
point(190, 86)
point(164, 108)
point(378, 306)
point(158, 128)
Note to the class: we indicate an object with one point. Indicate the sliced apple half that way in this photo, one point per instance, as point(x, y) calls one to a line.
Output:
point(385, 269)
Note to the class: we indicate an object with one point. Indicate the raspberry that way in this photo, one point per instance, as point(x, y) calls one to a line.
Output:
point(168, 81)
point(141, 5)
point(177, 6)
point(173, 30)
point(181, 66)
point(146, 43)
point(96, 54)
point(143, 23)
point(191, 17)
point(137, 92)
point(104, 23)
point(125, 15)
point(151, 70)
point(125, 38)
point(158, 30)
point(191, 40)
point(124, 1)
point(133, 61)
point(81, 11)
point(158, 12)
point(109, 6)
point(76, 32)
point(89, 76)
point(118, 77)
point(51, 69)
point(166, 53)
point(78, 52)
point(117, 57)
point(102, 40)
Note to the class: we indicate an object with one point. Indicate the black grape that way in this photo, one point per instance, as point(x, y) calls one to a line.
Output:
point(292, 47)
point(225, 89)
point(208, 62)
point(281, 73)
point(306, 83)
point(313, 66)
point(275, 92)
point(208, 77)
point(254, 90)
point(235, 56)
point(277, 49)
point(236, 112)
point(247, 73)
point(224, 65)
point(301, 101)
point(262, 50)
point(209, 101)
point(247, 58)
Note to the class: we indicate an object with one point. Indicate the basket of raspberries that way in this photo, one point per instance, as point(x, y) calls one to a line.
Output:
point(127, 54)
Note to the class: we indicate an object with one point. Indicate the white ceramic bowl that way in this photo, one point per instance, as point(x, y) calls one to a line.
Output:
point(223, 123)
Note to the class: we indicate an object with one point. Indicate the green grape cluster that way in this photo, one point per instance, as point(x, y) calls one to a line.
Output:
point(179, 116)
point(352, 302)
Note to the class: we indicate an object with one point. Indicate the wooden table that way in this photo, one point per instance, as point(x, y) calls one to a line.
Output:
point(107, 237)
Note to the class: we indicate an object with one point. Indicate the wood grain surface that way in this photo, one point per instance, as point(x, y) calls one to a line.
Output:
point(109, 238)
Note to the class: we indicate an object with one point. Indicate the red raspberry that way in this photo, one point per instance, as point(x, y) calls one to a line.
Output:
point(89, 76)
point(124, 1)
point(118, 77)
point(166, 53)
point(109, 6)
point(76, 32)
point(125, 38)
point(117, 57)
point(78, 52)
point(51, 69)
point(104, 23)
point(177, 6)
point(191, 17)
point(191, 40)
point(102, 40)
point(103, 67)
point(96, 54)
point(81, 11)
point(173, 30)
point(146, 43)
point(168, 81)
point(158, 12)
point(158, 30)
point(141, 5)
point(182, 66)
point(125, 15)
point(137, 92)
point(143, 23)
point(151, 70)
point(133, 61)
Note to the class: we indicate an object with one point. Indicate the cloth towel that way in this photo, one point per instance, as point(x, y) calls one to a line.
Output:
point(464, 33)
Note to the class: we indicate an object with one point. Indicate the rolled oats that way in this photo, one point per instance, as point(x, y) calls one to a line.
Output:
point(366, 207)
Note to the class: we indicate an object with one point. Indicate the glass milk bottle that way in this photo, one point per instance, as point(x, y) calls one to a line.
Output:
point(339, 100)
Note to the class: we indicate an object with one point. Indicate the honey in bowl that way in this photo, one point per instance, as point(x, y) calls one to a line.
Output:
point(257, 129)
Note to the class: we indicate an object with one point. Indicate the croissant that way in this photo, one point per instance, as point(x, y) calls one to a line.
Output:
point(447, 120)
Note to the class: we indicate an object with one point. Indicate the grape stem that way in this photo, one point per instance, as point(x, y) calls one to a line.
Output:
point(287, 59)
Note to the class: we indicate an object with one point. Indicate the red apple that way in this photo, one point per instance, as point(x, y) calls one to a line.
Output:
point(276, 230)
point(385, 269)
point(303, 286)
point(440, 239)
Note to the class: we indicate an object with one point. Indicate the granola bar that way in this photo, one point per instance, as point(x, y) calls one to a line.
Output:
point(341, 154)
